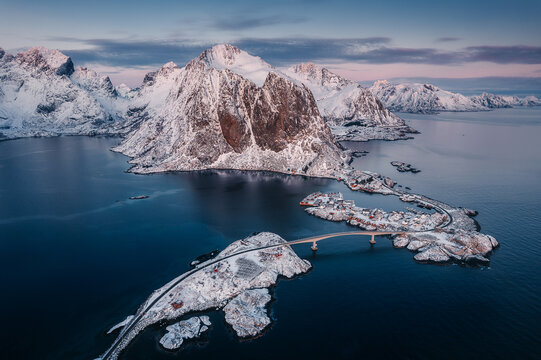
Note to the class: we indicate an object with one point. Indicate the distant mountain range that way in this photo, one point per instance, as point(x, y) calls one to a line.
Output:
point(224, 109)
point(42, 94)
point(427, 98)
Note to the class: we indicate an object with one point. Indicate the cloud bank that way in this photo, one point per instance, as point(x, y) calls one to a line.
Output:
point(283, 51)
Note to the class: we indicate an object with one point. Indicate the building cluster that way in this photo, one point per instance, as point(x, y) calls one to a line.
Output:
point(332, 206)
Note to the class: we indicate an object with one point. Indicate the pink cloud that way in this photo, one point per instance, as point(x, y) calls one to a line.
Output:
point(364, 72)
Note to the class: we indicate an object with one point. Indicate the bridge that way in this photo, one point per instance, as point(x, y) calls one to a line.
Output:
point(315, 239)
point(119, 344)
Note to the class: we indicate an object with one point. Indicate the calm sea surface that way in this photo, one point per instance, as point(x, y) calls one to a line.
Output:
point(76, 256)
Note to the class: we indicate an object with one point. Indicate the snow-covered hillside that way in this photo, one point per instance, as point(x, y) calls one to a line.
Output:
point(427, 98)
point(351, 111)
point(492, 101)
point(421, 98)
point(228, 109)
point(42, 94)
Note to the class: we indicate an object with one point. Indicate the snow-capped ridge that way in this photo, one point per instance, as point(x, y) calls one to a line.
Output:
point(351, 111)
point(421, 98)
point(123, 90)
point(428, 98)
point(163, 72)
point(226, 56)
point(320, 76)
point(381, 82)
point(493, 101)
point(168, 66)
point(43, 95)
point(93, 81)
point(42, 59)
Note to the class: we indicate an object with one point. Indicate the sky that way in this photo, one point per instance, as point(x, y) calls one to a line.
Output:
point(362, 40)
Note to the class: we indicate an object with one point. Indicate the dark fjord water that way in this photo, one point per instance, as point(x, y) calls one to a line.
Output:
point(76, 256)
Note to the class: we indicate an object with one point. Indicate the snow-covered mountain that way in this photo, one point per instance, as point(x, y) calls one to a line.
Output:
point(492, 101)
point(427, 98)
point(421, 98)
point(228, 109)
point(42, 94)
point(351, 111)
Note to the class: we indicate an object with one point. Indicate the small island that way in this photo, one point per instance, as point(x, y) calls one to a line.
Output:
point(138, 197)
point(445, 235)
point(185, 329)
point(236, 281)
point(403, 167)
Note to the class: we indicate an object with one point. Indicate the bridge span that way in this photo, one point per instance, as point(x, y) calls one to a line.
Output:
point(315, 239)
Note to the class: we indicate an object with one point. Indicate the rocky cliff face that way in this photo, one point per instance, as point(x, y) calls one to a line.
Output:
point(351, 110)
point(217, 112)
point(40, 59)
point(41, 94)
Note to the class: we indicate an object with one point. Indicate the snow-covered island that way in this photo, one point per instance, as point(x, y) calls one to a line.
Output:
point(236, 280)
point(447, 234)
point(185, 329)
point(403, 167)
point(247, 313)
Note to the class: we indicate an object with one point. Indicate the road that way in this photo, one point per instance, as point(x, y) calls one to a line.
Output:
point(128, 328)
point(313, 239)
point(421, 198)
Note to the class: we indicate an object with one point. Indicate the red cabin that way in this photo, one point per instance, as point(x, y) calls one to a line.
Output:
point(177, 305)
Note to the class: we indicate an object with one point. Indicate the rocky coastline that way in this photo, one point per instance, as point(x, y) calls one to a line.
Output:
point(236, 281)
point(448, 234)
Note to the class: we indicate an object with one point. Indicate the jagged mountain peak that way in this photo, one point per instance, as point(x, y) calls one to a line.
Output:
point(351, 111)
point(431, 87)
point(163, 72)
point(222, 53)
point(2, 52)
point(229, 109)
point(43, 95)
point(306, 68)
point(168, 66)
point(123, 90)
point(83, 71)
point(227, 56)
point(320, 75)
point(381, 82)
point(93, 81)
point(42, 58)
point(403, 86)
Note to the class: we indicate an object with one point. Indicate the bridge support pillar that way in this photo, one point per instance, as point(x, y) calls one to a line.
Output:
point(372, 241)
point(314, 246)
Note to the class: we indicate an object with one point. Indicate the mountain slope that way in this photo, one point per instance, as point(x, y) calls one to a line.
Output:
point(219, 112)
point(42, 94)
point(492, 101)
point(421, 98)
point(351, 111)
point(427, 99)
